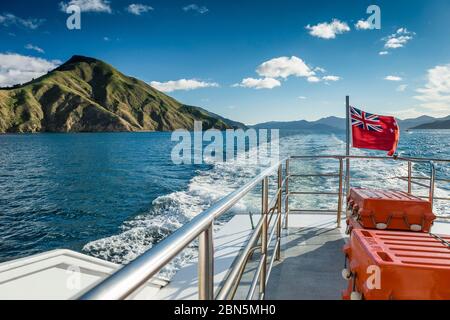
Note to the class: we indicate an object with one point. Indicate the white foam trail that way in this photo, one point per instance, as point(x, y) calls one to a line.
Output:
point(169, 212)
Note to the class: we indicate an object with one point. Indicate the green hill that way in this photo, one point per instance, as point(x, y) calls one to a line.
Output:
point(88, 95)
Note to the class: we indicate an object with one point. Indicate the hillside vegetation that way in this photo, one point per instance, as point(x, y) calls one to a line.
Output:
point(88, 95)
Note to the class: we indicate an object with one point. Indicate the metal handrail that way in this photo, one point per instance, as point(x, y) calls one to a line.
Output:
point(134, 275)
point(422, 178)
point(338, 193)
point(409, 179)
point(413, 159)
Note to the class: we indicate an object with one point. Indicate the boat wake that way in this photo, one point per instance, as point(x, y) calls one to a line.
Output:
point(171, 211)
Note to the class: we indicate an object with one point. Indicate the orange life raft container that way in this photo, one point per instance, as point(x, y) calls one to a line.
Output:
point(397, 265)
point(389, 209)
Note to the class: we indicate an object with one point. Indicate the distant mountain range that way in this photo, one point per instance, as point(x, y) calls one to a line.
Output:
point(443, 123)
point(89, 95)
point(325, 124)
point(338, 124)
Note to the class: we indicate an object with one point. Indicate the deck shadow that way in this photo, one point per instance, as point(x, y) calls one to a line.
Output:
point(311, 266)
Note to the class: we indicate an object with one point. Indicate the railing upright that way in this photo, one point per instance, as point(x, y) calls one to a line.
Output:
point(347, 180)
point(339, 208)
point(264, 232)
point(432, 182)
point(409, 177)
point(286, 204)
point(278, 221)
point(206, 265)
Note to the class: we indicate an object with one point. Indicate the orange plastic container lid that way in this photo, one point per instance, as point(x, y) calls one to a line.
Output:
point(387, 195)
point(406, 248)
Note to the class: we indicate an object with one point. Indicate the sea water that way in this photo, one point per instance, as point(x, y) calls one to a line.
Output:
point(114, 195)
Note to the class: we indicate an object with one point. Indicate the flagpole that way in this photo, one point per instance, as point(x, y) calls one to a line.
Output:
point(347, 147)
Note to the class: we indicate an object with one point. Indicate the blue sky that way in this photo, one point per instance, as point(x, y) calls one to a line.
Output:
point(297, 62)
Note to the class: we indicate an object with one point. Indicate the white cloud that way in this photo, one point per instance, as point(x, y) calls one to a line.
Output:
point(182, 84)
point(331, 78)
point(284, 67)
point(408, 113)
point(398, 39)
point(264, 83)
point(18, 69)
point(138, 8)
point(435, 95)
point(35, 48)
point(106, 38)
point(402, 87)
point(393, 78)
point(88, 5)
point(319, 69)
point(196, 8)
point(326, 30)
point(273, 70)
point(302, 97)
point(383, 53)
point(8, 19)
point(362, 25)
point(313, 79)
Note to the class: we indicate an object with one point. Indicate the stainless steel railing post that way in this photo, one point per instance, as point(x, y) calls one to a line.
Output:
point(347, 176)
point(278, 221)
point(339, 208)
point(264, 231)
point(432, 182)
point(206, 264)
point(409, 177)
point(286, 204)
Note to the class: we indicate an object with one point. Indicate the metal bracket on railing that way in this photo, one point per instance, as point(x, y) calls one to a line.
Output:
point(250, 214)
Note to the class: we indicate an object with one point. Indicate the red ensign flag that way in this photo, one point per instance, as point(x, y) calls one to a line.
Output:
point(371, 131)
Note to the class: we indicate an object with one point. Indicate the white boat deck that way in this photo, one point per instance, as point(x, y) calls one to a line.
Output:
point(228, 243)
point(310, 266)
point(58, 275)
